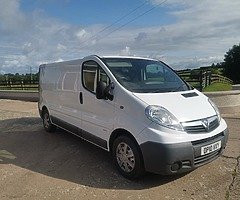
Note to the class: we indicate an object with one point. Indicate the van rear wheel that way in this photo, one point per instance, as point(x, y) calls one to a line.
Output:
point(127, 157)
point(47, 124)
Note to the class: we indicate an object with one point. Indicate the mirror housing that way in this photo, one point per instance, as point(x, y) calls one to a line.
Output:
point(103, 91)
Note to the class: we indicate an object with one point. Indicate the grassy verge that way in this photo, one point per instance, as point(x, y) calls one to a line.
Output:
point(1, 90)
point(33, 87)
point(217, 87)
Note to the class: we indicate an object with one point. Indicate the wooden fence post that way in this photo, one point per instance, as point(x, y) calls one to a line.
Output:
point(206, 79)
point(210, 78)
point(22, 84)
point(201, 81)
point(10, 84)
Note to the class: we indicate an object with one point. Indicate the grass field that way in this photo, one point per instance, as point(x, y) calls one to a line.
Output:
point(217, 87)
point(33, 87)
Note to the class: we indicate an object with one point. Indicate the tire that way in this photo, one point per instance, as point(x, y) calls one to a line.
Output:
point(47, 124)
point(127, 157)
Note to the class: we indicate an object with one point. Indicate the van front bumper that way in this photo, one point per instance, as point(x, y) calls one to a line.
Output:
point(182, 157)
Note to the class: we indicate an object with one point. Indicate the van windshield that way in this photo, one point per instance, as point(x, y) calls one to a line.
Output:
point(145, 76)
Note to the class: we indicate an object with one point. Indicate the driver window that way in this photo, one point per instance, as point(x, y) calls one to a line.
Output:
point(103, 76)
point(92, 73)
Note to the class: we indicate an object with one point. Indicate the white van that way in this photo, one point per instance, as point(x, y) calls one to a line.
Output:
point(138, 109)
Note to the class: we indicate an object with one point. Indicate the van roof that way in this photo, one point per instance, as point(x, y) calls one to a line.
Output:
point(76, 61)
point(130, 57)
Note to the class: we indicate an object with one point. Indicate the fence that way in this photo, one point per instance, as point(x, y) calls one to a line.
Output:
point(202, 79)
point(19, 85)
point(220, 79)
point(192, 79)
point(199, 79)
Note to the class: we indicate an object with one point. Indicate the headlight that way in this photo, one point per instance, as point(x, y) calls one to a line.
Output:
point(163, 117)
point(215, 108)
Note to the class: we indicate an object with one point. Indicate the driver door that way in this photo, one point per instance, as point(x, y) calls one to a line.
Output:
point(97, 114)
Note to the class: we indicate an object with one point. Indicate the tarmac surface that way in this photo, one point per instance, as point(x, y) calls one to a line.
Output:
point(39, 165)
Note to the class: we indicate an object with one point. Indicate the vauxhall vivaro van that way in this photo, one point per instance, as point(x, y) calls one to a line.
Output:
point(138, 109)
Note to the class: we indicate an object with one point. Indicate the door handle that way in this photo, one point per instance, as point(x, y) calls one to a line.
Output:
point(81, 98)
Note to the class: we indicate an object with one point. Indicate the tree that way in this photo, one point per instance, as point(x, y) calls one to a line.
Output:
point(231, 64)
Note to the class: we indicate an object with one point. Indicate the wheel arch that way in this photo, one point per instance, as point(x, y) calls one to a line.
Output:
point(140, 170)
point(43, 109)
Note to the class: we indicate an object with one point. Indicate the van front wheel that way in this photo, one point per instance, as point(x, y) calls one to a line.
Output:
point(127, 157)
point(47, 124)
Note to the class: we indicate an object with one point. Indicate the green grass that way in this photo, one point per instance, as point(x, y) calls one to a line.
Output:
point(217, 87)
point(33, 87)
point(18, 90)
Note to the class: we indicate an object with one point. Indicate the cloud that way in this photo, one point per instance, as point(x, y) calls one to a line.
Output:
point(13, 60)
point(180, 63)
point(61, 47)
point(202, 28)
point(201, 32)
point(81, 34)
point(126, 51)
point(141, 37)
point(10, 15)
point(30, 39)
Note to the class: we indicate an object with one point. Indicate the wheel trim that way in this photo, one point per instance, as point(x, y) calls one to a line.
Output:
point(125, 157)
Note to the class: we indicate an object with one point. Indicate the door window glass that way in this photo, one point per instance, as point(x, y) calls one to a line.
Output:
point(92, 74)
point(103, 77)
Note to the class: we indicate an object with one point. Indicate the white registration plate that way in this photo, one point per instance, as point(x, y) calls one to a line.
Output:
point(210, 148)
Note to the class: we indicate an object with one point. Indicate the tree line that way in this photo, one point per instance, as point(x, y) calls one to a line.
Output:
point(19, 78)
point(231, 64)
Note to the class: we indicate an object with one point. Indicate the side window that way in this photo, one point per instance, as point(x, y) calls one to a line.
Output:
point(92, 73)
point(103, 77)
point(89, 70)
point(154, 73)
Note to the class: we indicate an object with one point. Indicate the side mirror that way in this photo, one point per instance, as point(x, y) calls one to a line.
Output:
point(103, 91)
point(100, 90)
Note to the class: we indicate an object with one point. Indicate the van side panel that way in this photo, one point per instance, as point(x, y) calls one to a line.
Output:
point(59, 84)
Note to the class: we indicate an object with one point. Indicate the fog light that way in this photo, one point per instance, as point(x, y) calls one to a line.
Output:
point(176, 166)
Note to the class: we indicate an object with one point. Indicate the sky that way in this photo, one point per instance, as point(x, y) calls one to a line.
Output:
point(182, 33)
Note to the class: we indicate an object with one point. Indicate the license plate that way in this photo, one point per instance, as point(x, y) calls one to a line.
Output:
point(210, 148)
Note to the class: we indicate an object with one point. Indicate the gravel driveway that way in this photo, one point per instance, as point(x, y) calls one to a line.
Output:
point(39, 165)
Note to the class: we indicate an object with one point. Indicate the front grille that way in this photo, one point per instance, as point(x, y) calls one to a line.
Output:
point(202, 125)
point(195, 129)
point(215, 137)
point(205, 158)
point(214, 124)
